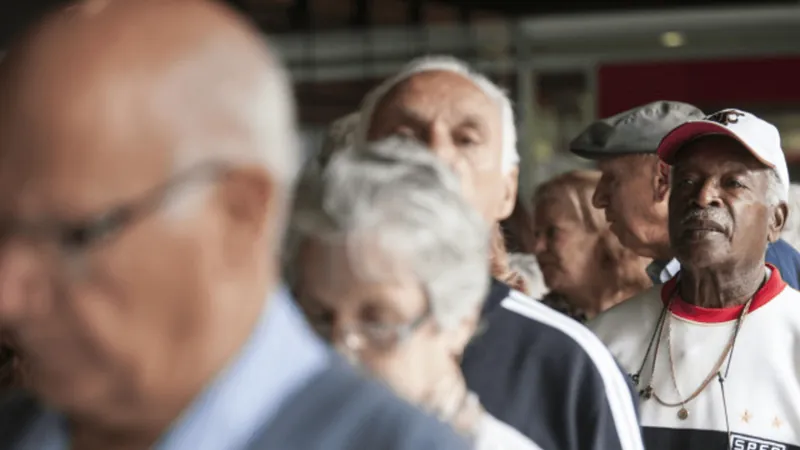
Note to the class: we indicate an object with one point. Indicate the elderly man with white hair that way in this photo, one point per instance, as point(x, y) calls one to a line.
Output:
point(532, 367)
point(389, 265)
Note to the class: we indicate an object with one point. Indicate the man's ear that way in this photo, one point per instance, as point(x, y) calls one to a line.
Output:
point(509, 200)
point(247, 198)
point(661, 181)
point(777, 222)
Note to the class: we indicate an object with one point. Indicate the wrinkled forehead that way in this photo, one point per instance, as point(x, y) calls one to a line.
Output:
point(436, 95)
point(76, 149)
point(623, 164)
point(555, 208)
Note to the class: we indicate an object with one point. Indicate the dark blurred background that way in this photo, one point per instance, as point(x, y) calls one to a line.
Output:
point(564, 62)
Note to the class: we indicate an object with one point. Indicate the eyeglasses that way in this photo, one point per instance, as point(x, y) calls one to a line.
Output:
point(78, 236)
point(369, 335)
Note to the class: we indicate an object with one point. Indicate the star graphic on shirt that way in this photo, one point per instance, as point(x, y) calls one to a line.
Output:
point(776, 422)
point(746, 416)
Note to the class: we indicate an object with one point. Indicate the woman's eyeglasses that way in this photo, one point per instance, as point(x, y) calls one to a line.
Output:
point(369, 335)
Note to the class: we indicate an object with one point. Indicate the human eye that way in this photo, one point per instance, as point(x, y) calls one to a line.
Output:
point(735, 183)
point(404, 131)
point(382, 335)
point(683, 181)
point(467, 138)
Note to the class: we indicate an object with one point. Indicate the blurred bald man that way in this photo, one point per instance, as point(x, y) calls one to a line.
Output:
point(147, 150)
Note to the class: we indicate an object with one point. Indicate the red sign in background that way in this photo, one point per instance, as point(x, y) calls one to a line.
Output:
point(760, 85)
point(773, 82)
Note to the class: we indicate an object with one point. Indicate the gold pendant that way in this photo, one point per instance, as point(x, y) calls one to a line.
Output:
point(683, 414)
point(646, 393)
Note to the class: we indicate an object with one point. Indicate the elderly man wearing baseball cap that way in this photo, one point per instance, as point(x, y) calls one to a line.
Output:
point(714, 350)
point(634, 190)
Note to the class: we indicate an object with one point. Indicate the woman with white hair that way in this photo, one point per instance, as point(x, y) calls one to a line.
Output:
point(390, 265)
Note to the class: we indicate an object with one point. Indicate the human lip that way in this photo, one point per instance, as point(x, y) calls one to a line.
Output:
point(702, 225)
point(545, 264)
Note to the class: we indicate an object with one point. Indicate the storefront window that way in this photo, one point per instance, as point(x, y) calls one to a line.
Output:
point(564, 106)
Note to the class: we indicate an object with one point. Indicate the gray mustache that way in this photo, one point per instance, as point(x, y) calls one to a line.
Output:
point(707, 215)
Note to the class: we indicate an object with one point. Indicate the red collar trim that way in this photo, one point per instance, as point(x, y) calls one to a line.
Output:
point(680, 308)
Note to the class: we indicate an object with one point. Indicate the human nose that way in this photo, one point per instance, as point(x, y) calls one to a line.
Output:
point(600, 199)
point(707, 195)
point(22, 281)
point(539, 243)
point(441, 144)
point(349, 344)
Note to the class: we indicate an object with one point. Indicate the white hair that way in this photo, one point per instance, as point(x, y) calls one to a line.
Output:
point(791, 230)
point(340, 133)
point(254, 124)
point(528, 267)
point(776, 192)
point(397, 195)
point(510, 156)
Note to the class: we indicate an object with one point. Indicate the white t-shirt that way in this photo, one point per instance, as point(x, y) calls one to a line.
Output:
point(762, 388)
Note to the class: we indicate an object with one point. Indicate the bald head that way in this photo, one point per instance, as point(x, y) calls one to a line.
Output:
point(114, 112)
point(185, 76)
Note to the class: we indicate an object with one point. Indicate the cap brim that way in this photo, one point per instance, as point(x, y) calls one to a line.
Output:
point(682, 135)
point(598, 154)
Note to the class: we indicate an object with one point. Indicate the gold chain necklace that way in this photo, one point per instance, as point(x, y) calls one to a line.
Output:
point(683, 413)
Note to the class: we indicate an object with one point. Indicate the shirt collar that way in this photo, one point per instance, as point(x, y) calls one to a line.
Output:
point(680, 308)
point(280, 356)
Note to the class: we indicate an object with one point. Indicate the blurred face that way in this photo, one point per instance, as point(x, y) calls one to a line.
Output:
point(97, 308)
point(719, 212)
point(380, 319)
point(563, 247)
point(630, 194)
point(462, 125)
point(109, 261)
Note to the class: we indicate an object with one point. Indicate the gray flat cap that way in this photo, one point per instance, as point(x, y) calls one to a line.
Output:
point(638, 130)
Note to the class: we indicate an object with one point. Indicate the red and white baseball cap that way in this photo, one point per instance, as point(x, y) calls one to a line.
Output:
point(758, 136)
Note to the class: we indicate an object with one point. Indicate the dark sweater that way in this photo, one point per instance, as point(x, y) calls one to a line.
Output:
point(549, 377)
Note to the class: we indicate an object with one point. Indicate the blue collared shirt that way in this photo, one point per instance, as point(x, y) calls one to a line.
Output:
point(281, 355)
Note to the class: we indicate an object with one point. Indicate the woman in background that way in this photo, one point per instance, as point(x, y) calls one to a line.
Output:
point(585, 267)
point(390, 265)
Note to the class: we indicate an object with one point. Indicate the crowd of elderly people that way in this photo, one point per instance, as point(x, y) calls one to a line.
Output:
point(173, 276)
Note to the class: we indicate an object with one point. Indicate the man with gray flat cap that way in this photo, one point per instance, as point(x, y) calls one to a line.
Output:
point(634, 189)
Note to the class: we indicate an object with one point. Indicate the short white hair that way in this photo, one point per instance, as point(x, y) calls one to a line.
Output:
point(777, 193)
point(262, 115)
point(510, 156)
point(341, 133)
point(396, 194)
point(260, 129)
point(791, 230)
